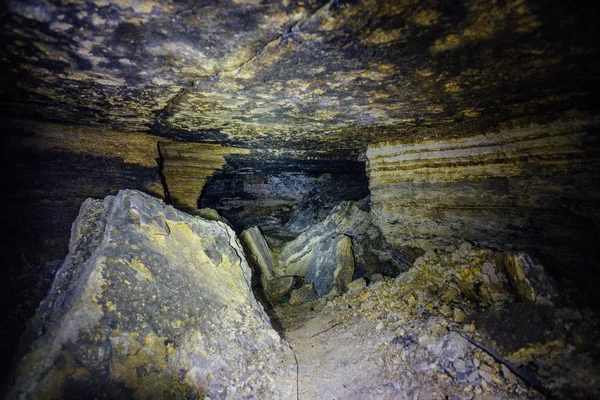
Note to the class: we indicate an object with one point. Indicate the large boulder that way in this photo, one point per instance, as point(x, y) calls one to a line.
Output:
point(260, 258)
point(151, 303)
point(320, 254)
point(345, 241)
point(333, 266)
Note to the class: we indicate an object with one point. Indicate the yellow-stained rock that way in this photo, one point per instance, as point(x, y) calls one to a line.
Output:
point(151, 302)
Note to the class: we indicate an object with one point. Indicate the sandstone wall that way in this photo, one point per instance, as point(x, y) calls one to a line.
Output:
point(526, 187)
point(186, 166)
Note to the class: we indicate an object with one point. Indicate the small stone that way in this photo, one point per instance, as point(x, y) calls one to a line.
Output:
point(379, 326)
point(508, 375)
point(404, 341)
point(451, 293)
point(473, 376)
point(424, 340)
point(423, 367)
point(446, 311)
point(376, 278)
point(570, 314)
point(459, 315)
point(485, 375)
point(303, 295)
point(528, 278)
point(486, 368)
point(460, 366)
point(357, 285)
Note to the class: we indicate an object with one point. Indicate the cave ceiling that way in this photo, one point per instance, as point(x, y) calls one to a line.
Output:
point(296, 74)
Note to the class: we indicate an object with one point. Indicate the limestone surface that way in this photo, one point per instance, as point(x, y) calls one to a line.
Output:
point(260, 258)
point(345, 240)
point(526, 187)
point(397, 338)
point(152, 303)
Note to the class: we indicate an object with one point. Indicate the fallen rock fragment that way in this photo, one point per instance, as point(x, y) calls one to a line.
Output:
point(305, 294)
point(310, 212)
point(529, 278)
point(260, 258)
point(333, 268)
point(151, 303)
point(347, 233)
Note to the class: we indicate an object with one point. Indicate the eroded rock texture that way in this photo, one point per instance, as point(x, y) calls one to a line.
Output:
point(48, 170)
point(343, 246)
point(265, 277)
point(187, 166)
point(260, 105)
point(532, 186)
point(301, 73)
point(152, 303)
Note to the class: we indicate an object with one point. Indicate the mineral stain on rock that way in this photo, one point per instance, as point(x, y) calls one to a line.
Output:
point(139, 313)
point(399, 174)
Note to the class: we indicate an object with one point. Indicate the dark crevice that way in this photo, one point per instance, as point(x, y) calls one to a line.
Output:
point(163, 180)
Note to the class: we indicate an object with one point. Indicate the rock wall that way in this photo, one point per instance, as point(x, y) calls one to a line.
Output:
point(47, 171)
point(152, 303)
point(527, 187)
point(186, 167)
point(265, 187)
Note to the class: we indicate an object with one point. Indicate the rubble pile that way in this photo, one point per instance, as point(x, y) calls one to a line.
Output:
point(406, 323)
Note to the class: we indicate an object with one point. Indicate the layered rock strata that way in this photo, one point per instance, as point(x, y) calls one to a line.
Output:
point(48, 170)
point(266, 188)
point(528, 187)
point(152, 302)
point(186, 167)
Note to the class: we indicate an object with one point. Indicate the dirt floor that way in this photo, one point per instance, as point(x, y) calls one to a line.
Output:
point(366, 354)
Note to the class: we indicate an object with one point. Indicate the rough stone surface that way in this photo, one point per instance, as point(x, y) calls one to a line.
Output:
point(297, 256)
point(47, 171)
point(296, 73)
point(316, 247)
point(306, 86)
point(332, 266)
point(309, 212)
point(211, 215)
point(526, 187)
point(265, 187)
point(374, 255)
point(260, 258)
point(305, 294)
point(521, 331)
point(528, 278)
point(391, 339)
point(152, 302)
point(186, 167)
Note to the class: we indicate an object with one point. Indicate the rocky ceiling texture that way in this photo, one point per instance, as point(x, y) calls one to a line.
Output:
point(464, 120)
point(306, 74)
